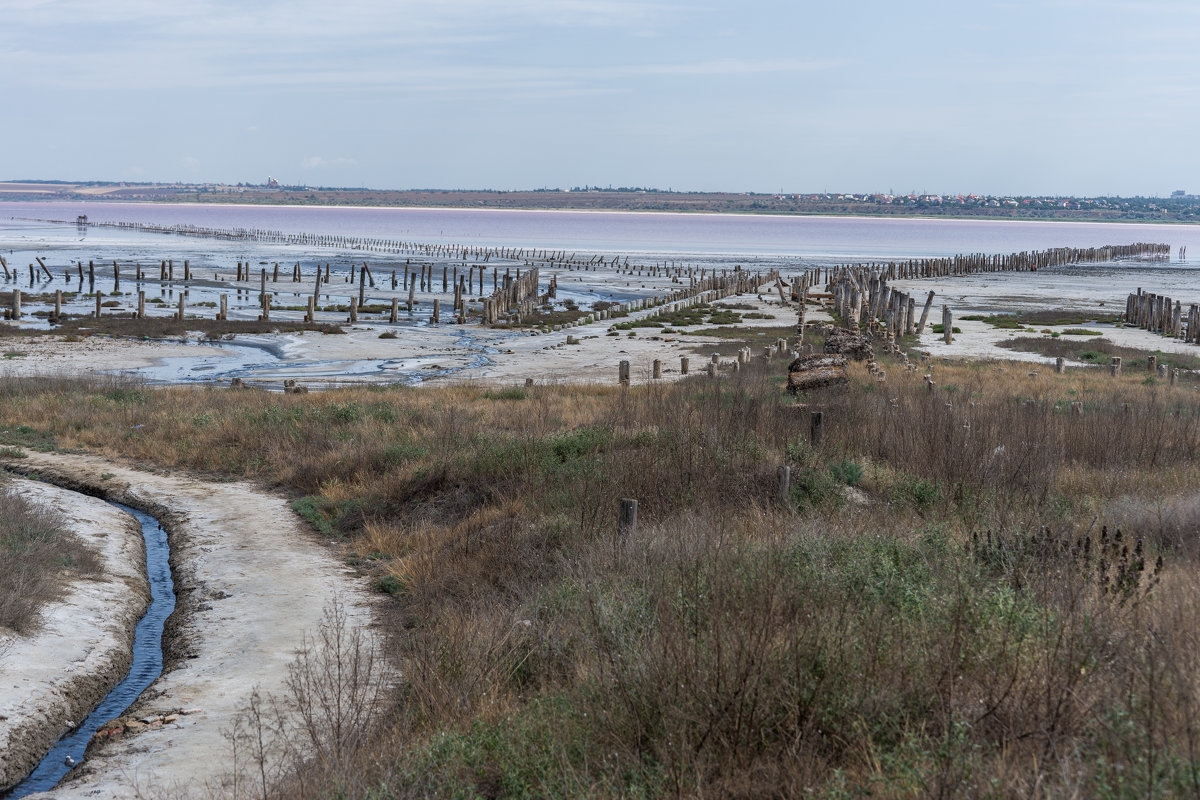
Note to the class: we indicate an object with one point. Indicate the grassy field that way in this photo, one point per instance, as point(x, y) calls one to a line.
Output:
point(969, 592)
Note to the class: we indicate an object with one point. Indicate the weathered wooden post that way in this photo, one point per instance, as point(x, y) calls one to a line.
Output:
point(395, 309)
point(141, 312)
point(947, 325)
point(623, 373)
point(1114, 366)
point(1076, 408)
point(1060, 365)
point(353, 310)
point(711, 369)
point(311, 314)
point(656, 369)
point(264, 299)
point(817, 428)
point(16, 303)
point(1151, 363)
point(412, 293)
point(57, 303)
point(1174, 376)
point(182, 307)
point(784, 494)
point(224, 312)
point(683, 365)
point(627, 518)
point(437, 313)
point(99, 297)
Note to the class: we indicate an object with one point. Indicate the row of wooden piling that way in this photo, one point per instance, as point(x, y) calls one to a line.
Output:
point(1027, 261)
point(1160, 314)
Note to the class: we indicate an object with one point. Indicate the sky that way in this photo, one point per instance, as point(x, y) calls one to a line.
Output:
point(1061, 97)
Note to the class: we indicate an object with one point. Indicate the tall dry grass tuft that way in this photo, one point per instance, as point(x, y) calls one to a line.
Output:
point(38, 558)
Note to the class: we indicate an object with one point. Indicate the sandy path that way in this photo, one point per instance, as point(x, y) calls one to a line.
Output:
point(50, 679)
point(251, 583)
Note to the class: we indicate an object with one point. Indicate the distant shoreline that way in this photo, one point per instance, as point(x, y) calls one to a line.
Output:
point(589, 201)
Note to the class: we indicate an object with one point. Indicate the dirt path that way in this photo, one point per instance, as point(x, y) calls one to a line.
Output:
point(251, 583)
point(52, 678)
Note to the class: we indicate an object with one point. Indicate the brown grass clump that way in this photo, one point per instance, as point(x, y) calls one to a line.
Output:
point(37, 558)
point(975, 590)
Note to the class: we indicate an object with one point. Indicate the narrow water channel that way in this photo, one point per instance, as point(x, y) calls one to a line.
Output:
point(145, 669)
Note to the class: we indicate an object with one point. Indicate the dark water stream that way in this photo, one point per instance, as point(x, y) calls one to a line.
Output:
point(145, 669)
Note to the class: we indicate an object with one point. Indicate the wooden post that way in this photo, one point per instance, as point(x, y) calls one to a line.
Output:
point(99, 297)
point(141, 312)
point(311, 315)
point(263, 298)
point(1174, 376)
point(57, 303)
point(362, 285)
point(1060, 365)
point(656, 369)
point(16, 304)
point(1151, 363)
point(623, 373)
point(683, 365)
point(1114, 366)
point(353, 310)
point(224, 313)
point(817, 428)
point(395, 309)
point(785, 486)
point(182, 307)
point(436, 311)
point(947, 325)
point(627, 519)
point(925, 314)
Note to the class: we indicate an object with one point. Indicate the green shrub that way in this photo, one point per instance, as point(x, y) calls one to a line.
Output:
point(848, 472)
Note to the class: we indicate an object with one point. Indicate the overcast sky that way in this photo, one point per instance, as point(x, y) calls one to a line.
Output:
point(1023, 97)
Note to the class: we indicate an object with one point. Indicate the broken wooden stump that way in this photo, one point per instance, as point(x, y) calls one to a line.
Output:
point(816, 372)
point(840, 341)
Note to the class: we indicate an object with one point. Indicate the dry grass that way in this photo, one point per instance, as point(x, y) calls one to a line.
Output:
point(38, 557)
point(960, 623)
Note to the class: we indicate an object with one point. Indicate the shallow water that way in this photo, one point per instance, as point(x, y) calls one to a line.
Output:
point(703, 241)
point(145, 669)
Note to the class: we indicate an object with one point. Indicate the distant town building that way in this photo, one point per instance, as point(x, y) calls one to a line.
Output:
point(1179, 193)
point(272, 183)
